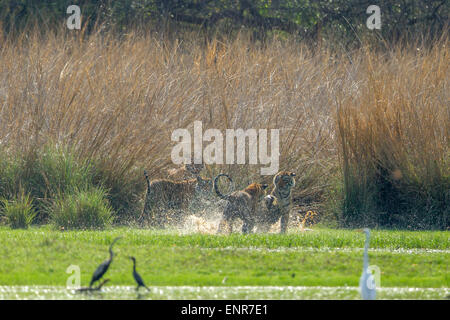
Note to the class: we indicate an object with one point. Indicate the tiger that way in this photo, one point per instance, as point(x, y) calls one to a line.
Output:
point(240, 204)
point(164, 194)
point(278, 203)
point(186, 172)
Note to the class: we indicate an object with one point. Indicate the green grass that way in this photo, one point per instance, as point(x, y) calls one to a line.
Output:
point(18, 212)
point(40, 256)
point(82, 209)
point(319, 238)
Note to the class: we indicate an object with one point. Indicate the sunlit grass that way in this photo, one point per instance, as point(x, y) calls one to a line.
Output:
point(318, 238)
point(42, 255)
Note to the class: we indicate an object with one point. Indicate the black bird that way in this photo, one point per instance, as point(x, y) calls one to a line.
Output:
point(103, 267)
point(137, 277)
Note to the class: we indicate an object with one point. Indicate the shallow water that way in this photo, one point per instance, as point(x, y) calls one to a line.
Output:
point(220, 293)
point(418, 251)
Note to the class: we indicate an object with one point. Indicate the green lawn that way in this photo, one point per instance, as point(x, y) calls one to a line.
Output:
point(323, 257)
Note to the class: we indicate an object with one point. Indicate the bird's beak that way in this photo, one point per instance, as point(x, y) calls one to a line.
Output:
point(359, 230)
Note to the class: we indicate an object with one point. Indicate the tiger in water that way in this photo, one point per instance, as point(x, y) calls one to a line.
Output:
point(163, 195)
point(278, 203)
point(240, 204)
point(186, 172)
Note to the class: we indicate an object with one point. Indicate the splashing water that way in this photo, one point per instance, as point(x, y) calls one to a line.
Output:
point(206, 221)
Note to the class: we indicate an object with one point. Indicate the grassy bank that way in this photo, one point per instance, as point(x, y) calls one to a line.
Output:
point(323, 257)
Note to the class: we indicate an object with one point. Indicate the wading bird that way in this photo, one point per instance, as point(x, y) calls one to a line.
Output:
point(367, 282)
point(103, 267)
point(137, 277)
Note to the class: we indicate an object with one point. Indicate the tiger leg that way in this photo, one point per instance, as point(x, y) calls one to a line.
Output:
point(284, 222)
point(247, 227)
point(156, 218)
point(222, 223)
point(248, 223)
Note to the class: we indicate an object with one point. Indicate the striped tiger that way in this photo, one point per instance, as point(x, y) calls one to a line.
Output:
point(164, 194)
point(240, 204)
point(278, 203)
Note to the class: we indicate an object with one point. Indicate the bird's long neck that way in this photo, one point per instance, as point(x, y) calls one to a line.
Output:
point(366, 255)
point(111, 253)
point(134, 265)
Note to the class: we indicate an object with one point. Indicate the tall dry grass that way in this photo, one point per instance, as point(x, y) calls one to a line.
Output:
point(115, 102)
point(394, 138)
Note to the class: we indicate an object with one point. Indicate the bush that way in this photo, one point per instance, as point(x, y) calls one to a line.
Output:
point(82, 210)
point(19, 212)
point(45, 173)
point(125, 190)
point(51, 171)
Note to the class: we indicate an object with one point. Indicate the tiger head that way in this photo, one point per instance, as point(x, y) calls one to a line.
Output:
point(284, 180)
point(256, 190)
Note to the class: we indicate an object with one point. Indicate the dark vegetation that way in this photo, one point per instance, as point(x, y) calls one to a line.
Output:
point(340, 19)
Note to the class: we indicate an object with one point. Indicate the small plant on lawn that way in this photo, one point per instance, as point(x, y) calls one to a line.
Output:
point(82, 209)
point(19, 212)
